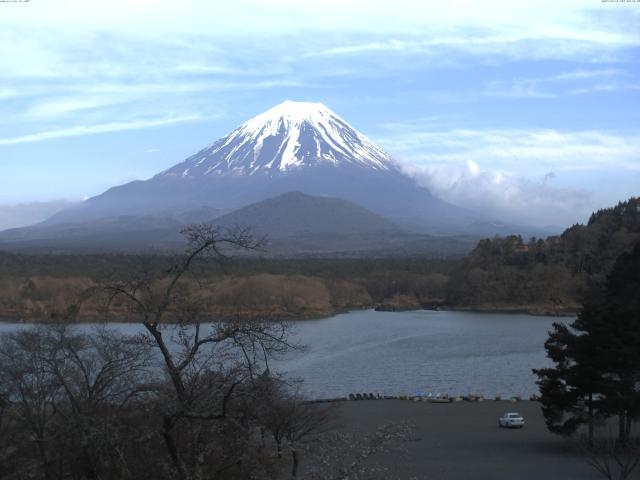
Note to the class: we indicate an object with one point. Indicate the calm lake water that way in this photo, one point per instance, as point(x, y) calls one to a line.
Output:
point(413, 352)
point(420, 352)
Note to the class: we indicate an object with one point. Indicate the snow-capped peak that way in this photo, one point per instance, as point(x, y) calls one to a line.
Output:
point(287, 137)
point(293, 113)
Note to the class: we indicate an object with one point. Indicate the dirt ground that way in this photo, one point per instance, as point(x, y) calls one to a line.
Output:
point(462, 441)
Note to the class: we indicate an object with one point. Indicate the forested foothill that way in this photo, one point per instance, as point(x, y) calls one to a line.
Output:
point(550, 275)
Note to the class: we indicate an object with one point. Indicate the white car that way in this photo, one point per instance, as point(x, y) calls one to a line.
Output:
point(511, 420)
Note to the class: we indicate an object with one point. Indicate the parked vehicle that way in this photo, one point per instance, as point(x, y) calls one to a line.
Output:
point(511, 420)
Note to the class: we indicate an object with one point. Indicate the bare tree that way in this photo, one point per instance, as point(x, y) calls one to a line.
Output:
point(33, 393)
point(66, 400)
point(209, 364)
point(291, 420)
point(612, 459)
point(316, 444)
point(306, 422)
point(339, 455)
point(102, 375)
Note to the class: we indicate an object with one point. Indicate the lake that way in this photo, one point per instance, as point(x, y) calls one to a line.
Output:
point(413, 352)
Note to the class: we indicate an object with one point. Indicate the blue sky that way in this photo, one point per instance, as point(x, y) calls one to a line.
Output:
point(526, 109)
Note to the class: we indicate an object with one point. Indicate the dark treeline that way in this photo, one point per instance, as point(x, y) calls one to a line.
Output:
point(551, 274)
point(44, 286)
point(100, 267)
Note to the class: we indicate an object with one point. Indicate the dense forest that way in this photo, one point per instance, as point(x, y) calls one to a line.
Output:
point(551, 274)
point(504, 273)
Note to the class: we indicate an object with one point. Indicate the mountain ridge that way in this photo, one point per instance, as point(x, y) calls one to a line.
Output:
point(293, 224)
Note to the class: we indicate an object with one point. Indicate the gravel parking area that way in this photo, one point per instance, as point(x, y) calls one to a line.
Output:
point(462, 441)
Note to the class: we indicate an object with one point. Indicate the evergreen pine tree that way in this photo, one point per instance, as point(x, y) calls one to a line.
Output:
point(597, 358)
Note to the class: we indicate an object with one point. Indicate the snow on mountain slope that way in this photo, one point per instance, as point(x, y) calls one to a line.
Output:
point(287, 137)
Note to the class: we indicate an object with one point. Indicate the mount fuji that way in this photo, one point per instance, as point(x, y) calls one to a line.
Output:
point(293, 147)
point(289, 137)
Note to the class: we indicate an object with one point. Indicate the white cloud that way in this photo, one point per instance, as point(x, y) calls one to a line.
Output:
point(82, 97)
point(527, 45)
point(101, 128)
point(578, 82)
point(543, 18)
point(74, 57)
point(605, 87)
point(76, 39)
point(506, 196)
point(525, 151)
point(529, 178)
point(56, 107)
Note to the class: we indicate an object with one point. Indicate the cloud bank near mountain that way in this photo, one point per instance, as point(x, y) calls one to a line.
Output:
point(509, 197)
point(538, 176)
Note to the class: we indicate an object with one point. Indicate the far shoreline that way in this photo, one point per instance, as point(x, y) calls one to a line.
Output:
point(515, 310)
